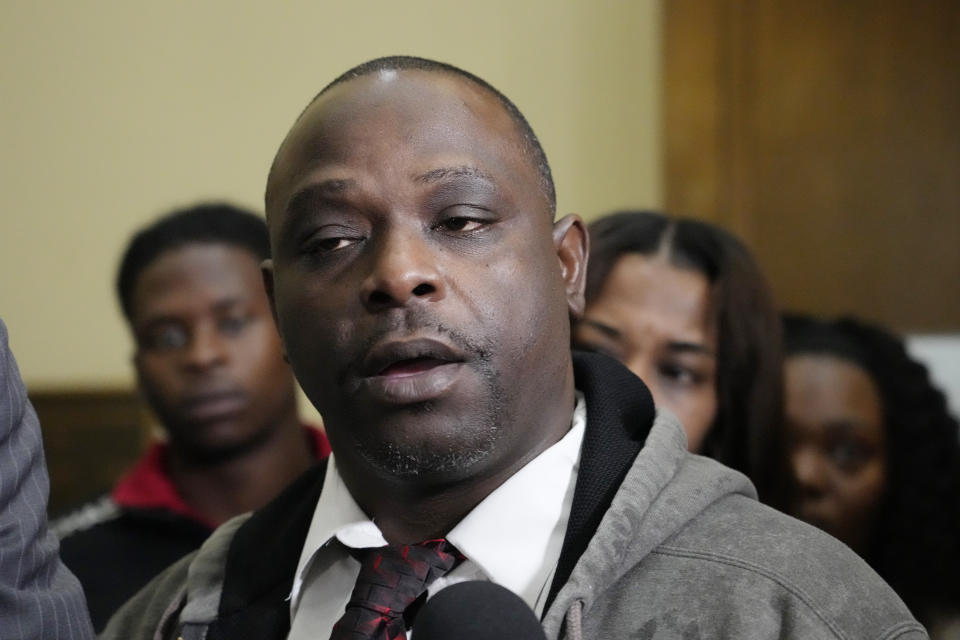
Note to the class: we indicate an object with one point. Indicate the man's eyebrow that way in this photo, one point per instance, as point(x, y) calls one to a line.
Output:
point(443, 173)
point(157, 319)
point(301, 200)
point(227, 304)
point(605, 329)
point(166, 317)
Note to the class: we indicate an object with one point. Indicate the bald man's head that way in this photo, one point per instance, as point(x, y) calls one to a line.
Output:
point(421, 288)
point(531, 144)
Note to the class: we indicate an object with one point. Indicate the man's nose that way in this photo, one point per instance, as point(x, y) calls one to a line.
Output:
point(207, 348)
point(404, 268)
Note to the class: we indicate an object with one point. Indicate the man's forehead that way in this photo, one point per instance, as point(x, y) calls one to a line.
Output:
point(196, 276)
point(197, 264)
point(348, 113)
point(397, 88)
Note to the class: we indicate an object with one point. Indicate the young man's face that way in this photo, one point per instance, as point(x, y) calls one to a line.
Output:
point(208, 356)
point(421, 291)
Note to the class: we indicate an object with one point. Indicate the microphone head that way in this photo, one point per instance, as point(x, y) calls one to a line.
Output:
point(476, 610)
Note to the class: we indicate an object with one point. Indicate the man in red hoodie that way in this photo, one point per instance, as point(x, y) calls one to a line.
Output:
point(210, 363)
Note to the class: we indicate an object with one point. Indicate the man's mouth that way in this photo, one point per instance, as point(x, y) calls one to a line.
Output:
point(215, 406)
point(408, 357)
point(412, 366)
point(410, 371)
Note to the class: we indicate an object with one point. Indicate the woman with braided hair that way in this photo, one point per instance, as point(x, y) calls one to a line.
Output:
point(874, 457)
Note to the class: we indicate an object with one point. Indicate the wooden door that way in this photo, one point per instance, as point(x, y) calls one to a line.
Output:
point(827, 134)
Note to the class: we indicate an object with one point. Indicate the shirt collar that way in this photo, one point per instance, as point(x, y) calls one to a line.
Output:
point(508, 534)
point(336, 511)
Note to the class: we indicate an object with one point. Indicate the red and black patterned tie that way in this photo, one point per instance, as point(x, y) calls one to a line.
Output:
point(391, 579)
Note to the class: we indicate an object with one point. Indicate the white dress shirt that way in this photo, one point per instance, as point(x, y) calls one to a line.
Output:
point(513, 537)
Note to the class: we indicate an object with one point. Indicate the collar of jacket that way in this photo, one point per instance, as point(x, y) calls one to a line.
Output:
point(263, 555)
point(148, 489)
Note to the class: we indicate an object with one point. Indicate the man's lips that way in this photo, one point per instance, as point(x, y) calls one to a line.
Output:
point(208, 407)
point(412, 367)
point(410, 371)
point(408, 357)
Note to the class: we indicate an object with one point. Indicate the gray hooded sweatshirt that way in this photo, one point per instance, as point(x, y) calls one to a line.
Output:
point(683, 552)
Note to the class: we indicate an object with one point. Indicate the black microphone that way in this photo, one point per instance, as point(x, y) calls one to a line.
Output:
point(476, 610)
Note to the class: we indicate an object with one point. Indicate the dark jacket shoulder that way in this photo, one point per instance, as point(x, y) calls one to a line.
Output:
point(116, 556)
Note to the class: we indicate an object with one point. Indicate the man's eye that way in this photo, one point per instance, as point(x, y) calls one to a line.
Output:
point(166, 339)
point(232, 325)
point(329, 245)
point(461, 224)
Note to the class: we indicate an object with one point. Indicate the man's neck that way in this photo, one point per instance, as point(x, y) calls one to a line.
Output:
point(406, 518)
point(244, 482)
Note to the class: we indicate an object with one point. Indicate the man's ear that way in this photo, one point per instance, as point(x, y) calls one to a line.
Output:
point(266, 271)
point(573, 247)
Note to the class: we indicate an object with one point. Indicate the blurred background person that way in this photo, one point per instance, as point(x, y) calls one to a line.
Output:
point(874, 458)
point(210, 364)
point(683, 304)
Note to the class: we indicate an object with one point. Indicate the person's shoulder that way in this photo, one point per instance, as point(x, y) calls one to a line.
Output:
point(148, 613)
point(36, 591)
point(739, 526)
point(103, 527)
point(750, 548)
point(87, 517)
point(161, 604)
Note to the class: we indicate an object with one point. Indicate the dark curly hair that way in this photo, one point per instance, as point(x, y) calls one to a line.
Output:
point(749, 365)
point(916, 546)
point(206, 223)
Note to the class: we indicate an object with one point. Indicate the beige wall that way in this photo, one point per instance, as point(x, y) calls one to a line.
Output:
point(114, 111)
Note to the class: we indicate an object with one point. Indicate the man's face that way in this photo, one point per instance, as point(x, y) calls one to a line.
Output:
point(208, 356)
point(421, 289)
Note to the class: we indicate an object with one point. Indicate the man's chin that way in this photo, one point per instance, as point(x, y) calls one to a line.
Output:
point(425, 464)
point(442, 439)
point(213, 447)
point(426, 444)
